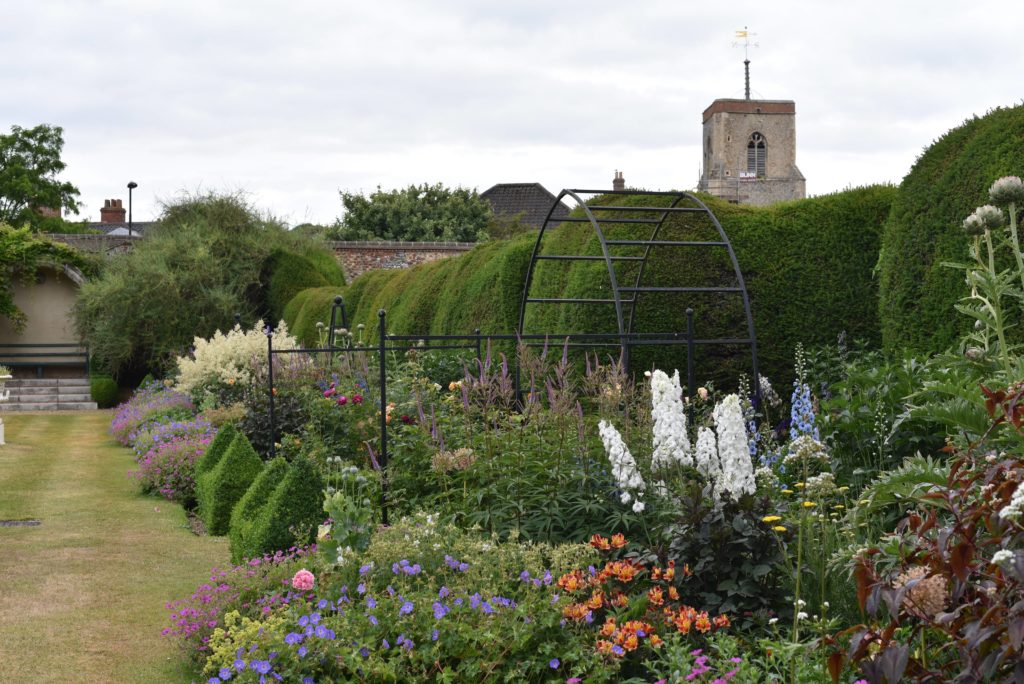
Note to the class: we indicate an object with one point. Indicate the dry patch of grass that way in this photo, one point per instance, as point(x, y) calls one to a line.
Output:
point(83, 594)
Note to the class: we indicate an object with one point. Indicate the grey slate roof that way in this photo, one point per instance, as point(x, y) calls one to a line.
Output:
point(531, 199)
point(138, 227)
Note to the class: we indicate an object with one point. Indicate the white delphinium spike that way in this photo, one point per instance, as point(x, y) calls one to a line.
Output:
point(707, 455)
point(671, 442)
point(733, 451)
point(624, 469)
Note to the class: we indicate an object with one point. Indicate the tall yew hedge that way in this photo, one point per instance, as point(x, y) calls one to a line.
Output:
point(950, 179)
point(807, 264)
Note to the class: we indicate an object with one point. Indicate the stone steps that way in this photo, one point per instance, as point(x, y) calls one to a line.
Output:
point(70, 394)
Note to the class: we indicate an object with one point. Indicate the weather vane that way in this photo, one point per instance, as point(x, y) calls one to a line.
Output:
point(746, 35)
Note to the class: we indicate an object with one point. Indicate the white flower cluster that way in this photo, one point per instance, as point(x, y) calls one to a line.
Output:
point(230, 358)
point(1003, 558)
point(737, 475)
point(1014, 509)
point(805, 449)
point(624, 469)
point(820, 485)
point(707, 454)
point(671, 443)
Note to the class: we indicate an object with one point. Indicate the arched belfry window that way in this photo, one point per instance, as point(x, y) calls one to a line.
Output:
point(757, 154)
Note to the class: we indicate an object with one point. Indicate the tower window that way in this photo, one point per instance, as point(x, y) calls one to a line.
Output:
point(757, 153)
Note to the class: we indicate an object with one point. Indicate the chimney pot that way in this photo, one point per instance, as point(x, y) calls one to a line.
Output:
point(618, 183)
point(112, 211)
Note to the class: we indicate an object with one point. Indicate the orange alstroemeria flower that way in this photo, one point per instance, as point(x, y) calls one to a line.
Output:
point(618, 541)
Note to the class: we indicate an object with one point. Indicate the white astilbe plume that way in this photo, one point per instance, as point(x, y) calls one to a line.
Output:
point(624, 469)
point(737, 475)
point(707, 455)
point(671, 443)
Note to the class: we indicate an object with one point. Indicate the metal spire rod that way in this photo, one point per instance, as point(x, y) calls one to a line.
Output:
point(746, 35)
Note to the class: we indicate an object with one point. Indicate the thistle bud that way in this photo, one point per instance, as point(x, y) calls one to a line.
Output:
point(974, 225)
point(1007, 190)
point(992, 217)
point(975, 353)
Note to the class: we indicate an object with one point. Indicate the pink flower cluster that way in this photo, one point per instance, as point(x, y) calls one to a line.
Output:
point(341, 399)
point(303, 580)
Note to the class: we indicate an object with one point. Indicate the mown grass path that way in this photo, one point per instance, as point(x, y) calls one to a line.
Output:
point(82, 595)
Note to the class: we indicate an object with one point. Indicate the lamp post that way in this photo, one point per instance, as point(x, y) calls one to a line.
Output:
point(131, 186)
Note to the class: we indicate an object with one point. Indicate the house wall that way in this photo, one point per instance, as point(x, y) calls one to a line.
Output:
point(48, 304)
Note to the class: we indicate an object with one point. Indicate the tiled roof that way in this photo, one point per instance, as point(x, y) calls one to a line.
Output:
point(530, 199)
point(121, 228)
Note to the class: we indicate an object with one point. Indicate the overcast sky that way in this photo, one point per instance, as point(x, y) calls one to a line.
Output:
point(293, 101)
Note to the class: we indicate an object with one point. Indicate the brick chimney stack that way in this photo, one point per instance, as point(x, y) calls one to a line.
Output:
point(112, 211)
point(618, 183)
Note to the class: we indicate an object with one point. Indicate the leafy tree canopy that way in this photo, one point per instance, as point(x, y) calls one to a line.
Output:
point(29, 165)
point(196, 268)
point(418, 213)
point(21, 254)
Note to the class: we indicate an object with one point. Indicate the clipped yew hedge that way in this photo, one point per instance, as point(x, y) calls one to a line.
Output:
point(219, 489)
point(948, 181)
point(807, 264)
point(247, 510)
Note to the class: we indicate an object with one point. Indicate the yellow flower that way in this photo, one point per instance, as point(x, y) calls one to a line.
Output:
point(787, 491)
point(839, 507)
point(809, 504)
point(843, 489)
point(864, 502)
point(779, 528)
point(771, 518)
point(799, 485)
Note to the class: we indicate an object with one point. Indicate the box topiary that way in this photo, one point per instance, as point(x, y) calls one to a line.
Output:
point(211, 457)
point(292, 513)
point(220, 489)
point(104, 390)
point(249, 506)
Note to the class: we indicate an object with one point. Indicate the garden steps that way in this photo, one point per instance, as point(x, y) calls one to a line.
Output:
point(65, 394)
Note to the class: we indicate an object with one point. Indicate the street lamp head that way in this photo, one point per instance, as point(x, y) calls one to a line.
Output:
point(132, 185)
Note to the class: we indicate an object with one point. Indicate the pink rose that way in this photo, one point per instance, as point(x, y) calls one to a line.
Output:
point(357, 398)
point(329, 393)
point(303, 580)
point(342, 400)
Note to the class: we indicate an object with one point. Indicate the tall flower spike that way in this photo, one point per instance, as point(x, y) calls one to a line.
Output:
point(707, 455)
point(671, 442)
point(737, 469)
point(624, 469)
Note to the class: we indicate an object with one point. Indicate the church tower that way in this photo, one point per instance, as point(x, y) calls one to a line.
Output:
point(750, 150)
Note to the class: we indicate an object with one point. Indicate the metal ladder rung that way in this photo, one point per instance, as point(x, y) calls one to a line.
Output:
point(675, 209)
point(680, 289)
point(559, 300)
point(667, 243)
point(569, 257)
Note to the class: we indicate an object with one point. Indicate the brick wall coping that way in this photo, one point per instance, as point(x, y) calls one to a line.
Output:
point(399, 244)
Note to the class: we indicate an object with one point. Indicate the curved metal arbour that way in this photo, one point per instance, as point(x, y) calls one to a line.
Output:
point(618, 214)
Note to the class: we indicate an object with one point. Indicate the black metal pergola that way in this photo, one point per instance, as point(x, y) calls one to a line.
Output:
point(626, 298)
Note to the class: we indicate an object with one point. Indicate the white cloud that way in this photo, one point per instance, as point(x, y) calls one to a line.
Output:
point(294, 101)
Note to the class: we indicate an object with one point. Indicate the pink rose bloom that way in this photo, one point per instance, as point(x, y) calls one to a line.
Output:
point(342, 400)
point(357, 398)
point(303, 580)
point(329, 393)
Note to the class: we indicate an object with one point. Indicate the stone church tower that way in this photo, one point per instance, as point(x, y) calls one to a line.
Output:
point(750, 151)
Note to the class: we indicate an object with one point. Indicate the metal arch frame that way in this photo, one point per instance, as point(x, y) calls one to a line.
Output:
point(625, 329)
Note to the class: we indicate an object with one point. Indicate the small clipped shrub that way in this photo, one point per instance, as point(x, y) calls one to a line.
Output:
point(103, 390)
point(220, 489)
point(248, 507)
point(225, 436)
point(293, 512)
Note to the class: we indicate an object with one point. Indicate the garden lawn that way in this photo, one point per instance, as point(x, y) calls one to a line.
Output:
point(82, 596)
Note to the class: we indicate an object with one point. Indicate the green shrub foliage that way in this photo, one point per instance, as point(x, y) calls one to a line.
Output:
point(103, 390)
point(285, 274)
point(807, 265)
point(211, 457)
point(220, 489)
point(199, 266)
point(950, 179)
point(248, 507)
point(292, 513)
